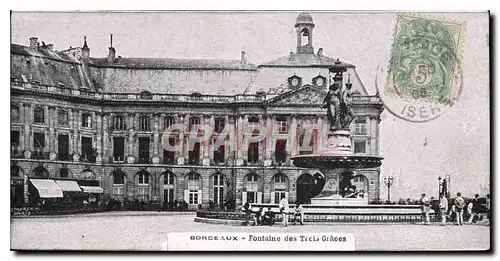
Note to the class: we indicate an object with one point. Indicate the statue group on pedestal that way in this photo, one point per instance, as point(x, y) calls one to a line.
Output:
point(339, 112)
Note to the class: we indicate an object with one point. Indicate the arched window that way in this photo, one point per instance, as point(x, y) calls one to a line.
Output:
point(86, 120)
point(14, 113)
point(218, 190)
point(118, 184)
point(143, 178)
point(279, 188)
point(168, 121)
point(252, 189)
point(39, 115)
point(193, 193)
point(144, 123)
point(304, 37)
point(15, 171)
point(64, 173)
point(40, 172)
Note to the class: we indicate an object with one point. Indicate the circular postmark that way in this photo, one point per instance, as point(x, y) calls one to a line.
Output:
point(424, 77)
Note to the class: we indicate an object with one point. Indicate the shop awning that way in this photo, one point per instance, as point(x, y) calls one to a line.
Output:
point(47, 188)
point(92, 189)
point(68, 185)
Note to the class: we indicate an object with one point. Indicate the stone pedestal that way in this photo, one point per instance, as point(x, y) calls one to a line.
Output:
point(180, 161)
point(206, 162)
point(156, 160)
point(239, 162)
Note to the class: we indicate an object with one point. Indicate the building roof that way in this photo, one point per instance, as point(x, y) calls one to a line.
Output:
point(304, 18)
point(173, 63)
point(303, 60)
point(42, 53)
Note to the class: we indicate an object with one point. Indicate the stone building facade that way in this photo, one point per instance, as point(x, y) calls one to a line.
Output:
point(103, 120)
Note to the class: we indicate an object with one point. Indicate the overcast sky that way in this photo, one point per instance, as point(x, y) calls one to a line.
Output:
point(457, 142)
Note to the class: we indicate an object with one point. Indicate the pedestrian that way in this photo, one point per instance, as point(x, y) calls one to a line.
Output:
point(488, 202)
point(460, 204)
point(470, 212)
point(476, 208)
point(258, 217)
point(298, 213)
point(247, 208)
point(284, 208)
point(268, 217)
point(443, 208)
point(426, 207)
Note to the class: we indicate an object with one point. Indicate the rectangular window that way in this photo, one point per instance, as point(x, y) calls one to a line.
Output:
point(278, 195)
point(38, 144)
point(118, 149)
point(360, 146)
point(282, 126)
point(193, 197)
point(218, 195)
point(169, 155)
point(169, 121)
point(253, 152)
point(119, 123)
point(305, 148)
point(193, 121)
point(87, 150)
point(220, 124)
point(62, 118)
point(39, 115)
point(360, 126)
point(143, 193)
point(118, 190)
point(280, 151)
point(63, 147)
point(194, 155)
point(219, 154)
point(143, 149)
point(86, 120)
point(14, 113)
point(144, 123)
point(14, 142)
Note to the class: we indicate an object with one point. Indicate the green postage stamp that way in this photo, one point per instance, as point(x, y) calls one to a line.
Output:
point(424, 70)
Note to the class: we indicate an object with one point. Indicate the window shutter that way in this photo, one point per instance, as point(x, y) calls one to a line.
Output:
point(259, 197)
point(244, 198)
point(272, 198)
point(186, 195)
point(200, 196)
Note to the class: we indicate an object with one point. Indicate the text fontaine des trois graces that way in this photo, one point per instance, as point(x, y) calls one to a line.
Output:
point(218, 241)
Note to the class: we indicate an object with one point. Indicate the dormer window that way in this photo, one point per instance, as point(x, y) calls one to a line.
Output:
point(294, 81)
point(319, 81)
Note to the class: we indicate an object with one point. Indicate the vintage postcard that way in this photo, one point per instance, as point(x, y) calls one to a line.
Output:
point(250, 131)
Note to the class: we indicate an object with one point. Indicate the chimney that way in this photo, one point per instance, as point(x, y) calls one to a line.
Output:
point(112, 51)
point(320, 51)
point(34, 43)
point(243, 57)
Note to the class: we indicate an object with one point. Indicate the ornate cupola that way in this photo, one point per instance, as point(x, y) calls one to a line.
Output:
point(304, 26)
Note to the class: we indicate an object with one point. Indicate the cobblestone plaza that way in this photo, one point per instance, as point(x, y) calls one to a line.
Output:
point(146, 231)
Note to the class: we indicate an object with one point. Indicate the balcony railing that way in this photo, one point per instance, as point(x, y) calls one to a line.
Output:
point(253, 98)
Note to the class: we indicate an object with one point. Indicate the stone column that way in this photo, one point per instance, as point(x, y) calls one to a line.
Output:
point(268, 141)
point(27, 129)
point(98, 128)
point(21, 133)
point(262, 143)
point(131, 139)
point(46, 115)
point(293, 138)
point(156, 138)
point(241, 145)
point(52, 140)
point(106, 117)
point(78, 124)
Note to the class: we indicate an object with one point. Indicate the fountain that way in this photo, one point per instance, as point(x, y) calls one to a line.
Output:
point(336, 159)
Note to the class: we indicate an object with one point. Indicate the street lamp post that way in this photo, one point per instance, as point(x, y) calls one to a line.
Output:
point(439, 190)
point(389, 180)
